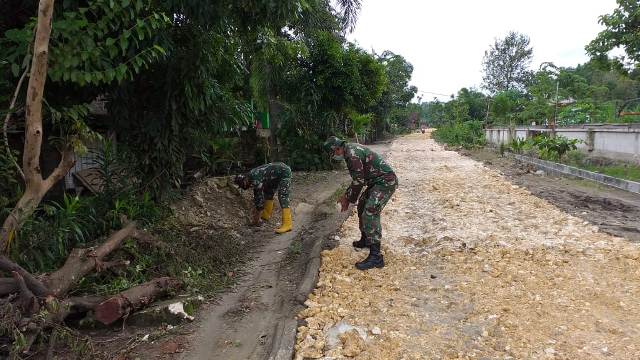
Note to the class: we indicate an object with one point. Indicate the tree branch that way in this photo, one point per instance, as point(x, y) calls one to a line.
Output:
point(34, 284)
point(5, 126)
point(66, 163)
point(8, 286)
point(28, 302)
point(82, 261)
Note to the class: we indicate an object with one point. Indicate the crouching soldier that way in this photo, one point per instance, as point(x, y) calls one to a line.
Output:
point(366, 169)
point(265, 180)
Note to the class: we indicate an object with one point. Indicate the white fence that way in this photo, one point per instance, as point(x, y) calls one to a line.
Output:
point(620, 142)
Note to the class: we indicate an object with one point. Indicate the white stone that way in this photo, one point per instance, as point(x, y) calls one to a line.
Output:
point(177, 308)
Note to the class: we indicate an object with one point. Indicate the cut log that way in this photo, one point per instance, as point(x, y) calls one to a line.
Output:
point(133, 299)
point(27, 301)
point(82, 304)
point(34, 284)
point(82, 261)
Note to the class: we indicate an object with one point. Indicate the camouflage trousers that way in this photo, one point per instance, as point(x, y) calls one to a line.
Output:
point(370, 205)
point(283, 187)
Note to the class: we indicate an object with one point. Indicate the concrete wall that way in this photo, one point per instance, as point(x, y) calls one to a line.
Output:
point(620, 142)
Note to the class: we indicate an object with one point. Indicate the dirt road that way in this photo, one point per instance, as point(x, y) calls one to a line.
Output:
point(614, 211)
point(476, 268)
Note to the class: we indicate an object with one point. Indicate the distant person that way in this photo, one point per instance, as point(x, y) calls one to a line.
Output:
point(366, 169)
point(266, 180)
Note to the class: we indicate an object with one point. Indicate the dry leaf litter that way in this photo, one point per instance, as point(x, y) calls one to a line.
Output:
point(476, 268)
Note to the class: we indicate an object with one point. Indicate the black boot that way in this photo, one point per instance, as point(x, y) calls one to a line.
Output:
point(374, 260)
point(360, 244)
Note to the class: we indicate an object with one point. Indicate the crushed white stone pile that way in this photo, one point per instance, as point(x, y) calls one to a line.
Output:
point(476, 268)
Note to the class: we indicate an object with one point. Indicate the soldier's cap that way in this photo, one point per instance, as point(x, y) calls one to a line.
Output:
point(332, 143)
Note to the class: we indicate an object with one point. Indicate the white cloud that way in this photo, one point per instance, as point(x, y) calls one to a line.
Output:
point(445, 40)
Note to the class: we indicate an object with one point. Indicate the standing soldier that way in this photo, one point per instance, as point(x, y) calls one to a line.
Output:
point(265, 180)
point(366, 169)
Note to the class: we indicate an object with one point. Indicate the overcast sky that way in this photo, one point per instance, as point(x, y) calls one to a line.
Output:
point(445, 40)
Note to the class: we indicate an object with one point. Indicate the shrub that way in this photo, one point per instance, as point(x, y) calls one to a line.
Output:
point(518, 145)
point(467, 134)
point(554, 148)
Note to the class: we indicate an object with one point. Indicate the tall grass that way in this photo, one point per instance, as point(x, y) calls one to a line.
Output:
point(467, 134)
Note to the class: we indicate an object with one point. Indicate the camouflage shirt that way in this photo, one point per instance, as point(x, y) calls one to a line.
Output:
point(366, 168)
point(266, 176)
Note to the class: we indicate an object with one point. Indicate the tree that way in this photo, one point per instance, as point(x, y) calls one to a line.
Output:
point(507, 105)
point(506, 63)
point(35, 185)
point(542, 90)
point(83, 51)
point(475, 101)
point(392, 108)
point(622, 29)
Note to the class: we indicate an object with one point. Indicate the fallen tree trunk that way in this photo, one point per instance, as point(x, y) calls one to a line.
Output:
point(133, 299)
point(7, 286)
point(35, 285)
point(82, 261)
point(28, 302)
point(40, 305)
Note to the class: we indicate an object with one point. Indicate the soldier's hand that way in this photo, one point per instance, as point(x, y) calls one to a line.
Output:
point(344, 203)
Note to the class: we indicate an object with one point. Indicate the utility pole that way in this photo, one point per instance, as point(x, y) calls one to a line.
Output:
point(555, 115)
point(486, 118)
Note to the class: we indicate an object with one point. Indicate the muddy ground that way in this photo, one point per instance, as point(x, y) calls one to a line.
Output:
point(615, 211)
point(246, 320)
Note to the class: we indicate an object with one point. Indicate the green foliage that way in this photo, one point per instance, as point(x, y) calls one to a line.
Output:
point(518, 145)
point(47, 238)
point(10, 188)
point(467, 134)
point(105, 41)
point(506, 106)
point(221, 155)
point(621, 30)
point(554, 148)
point(193, 100)
point(613, 168)
point(360, 123)
point(542, 91)
point(302, 142)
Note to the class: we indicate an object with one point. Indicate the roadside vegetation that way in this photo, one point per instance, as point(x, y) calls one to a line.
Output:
point(603, 90)
point(618, 169)
point(153, 97)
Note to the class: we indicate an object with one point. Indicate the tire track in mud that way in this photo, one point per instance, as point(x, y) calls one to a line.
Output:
point(477, 267)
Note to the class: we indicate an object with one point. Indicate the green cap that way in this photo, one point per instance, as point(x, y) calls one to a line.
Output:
point(332, 143)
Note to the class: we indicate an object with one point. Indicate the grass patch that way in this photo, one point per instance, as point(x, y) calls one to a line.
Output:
point(608, 167)
point(619, 171)
point(467, 134)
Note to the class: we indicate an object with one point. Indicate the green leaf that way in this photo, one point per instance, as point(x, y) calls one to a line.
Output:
point(124, 44)
point(126, 3)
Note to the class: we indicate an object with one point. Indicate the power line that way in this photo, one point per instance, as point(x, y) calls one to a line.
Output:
point(433, 93)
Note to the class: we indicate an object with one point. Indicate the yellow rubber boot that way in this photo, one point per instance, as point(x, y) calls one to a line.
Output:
point(287, 223)
point(268, 209)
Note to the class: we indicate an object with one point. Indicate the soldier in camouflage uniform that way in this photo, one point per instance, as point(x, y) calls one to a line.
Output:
point(366, 169)
point(265, 180)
